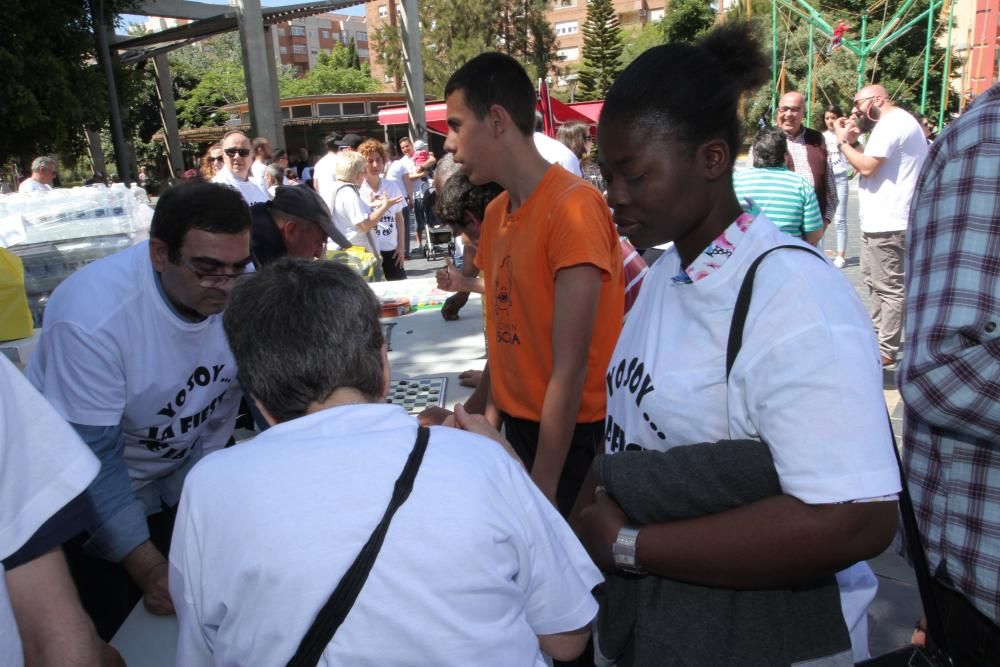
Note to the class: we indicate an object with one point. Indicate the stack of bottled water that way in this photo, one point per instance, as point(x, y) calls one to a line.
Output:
point(58, 231)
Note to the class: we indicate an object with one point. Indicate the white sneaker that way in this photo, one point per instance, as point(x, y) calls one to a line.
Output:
point(838, 262)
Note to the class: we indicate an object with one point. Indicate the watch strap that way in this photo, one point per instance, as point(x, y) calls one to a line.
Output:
point(624, 550)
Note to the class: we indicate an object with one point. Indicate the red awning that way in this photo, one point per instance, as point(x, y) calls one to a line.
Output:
point(436, 114)
point(592, 110)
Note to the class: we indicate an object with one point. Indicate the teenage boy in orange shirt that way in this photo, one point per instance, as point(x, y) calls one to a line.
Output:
point(553, 277)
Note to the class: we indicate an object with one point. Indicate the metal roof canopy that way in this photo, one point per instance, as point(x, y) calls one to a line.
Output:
point(136, 49)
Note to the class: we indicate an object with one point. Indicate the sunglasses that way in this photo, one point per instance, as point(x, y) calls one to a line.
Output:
point(233, 152)
point(216, 159)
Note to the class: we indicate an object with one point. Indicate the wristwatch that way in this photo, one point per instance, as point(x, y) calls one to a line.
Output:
point(624, 550)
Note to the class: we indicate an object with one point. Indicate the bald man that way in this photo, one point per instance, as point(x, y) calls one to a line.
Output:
point(889, 164)
point(807, 154)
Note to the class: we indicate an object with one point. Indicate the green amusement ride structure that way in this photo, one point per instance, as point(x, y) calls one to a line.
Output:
point(864, 46)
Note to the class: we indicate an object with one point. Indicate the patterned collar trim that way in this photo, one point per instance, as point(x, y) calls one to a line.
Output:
point(719, 250)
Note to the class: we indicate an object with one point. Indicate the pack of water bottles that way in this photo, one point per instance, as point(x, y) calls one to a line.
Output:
point(58, 231)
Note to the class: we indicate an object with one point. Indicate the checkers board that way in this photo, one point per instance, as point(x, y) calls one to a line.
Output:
point(416, 395)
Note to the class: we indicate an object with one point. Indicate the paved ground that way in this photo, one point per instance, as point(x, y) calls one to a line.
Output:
point(897, 607)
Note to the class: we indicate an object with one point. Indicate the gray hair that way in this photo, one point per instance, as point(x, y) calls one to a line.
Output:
point(275, 173)
point(769, 147)
point(446, 168)
point(42, 162)
point(335, 340)
point(459, 196)
point(348, 166)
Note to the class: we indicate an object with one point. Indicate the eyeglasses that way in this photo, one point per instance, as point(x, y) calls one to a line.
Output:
point(208, 279)
point(217, 158)
point(789, 109)
point(233, 152)
point(857, 103)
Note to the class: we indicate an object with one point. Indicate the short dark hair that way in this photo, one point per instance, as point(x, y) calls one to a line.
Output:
point(496, 78)
point(210, 207)
point(335, 340)
point(769, 147)
point(459, 195)
point(279, 154)
point(690, 92)
point(834, 109)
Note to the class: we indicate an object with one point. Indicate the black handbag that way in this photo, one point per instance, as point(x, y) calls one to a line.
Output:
point(333, 613)
point(907, 656)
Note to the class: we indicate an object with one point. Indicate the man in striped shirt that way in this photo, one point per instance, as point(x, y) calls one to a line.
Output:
point(784, 196)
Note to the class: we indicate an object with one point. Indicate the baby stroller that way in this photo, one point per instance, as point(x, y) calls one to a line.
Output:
point(438, 241)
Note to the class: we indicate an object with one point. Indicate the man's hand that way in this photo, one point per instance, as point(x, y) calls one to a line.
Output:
point(149, 570)
point(453, 304)
point(433, 416)
point(449, 278)
point(470, 378)
point(597, 527)
point(479, 425)
point(846, 130)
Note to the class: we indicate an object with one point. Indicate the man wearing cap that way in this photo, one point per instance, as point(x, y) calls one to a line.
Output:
point(296, 223)
point(350, 142)
point(236, 170)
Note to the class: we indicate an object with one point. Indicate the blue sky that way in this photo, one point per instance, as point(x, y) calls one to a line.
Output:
point(358, 10)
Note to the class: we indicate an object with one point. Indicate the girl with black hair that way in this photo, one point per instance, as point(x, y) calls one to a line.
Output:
point(841, 174)
point(725, 552)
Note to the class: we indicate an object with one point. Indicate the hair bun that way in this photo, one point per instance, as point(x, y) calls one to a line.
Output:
point(735, 46)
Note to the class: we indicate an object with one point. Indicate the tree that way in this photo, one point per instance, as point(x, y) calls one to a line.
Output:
point(455, 31)
point(602, 50)
point(332, 75)
point(641, 39)
point(50, 88)
point(686, 20)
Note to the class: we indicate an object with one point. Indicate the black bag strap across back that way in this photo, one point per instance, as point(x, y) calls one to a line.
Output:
point(333, 613)
point(911, 535)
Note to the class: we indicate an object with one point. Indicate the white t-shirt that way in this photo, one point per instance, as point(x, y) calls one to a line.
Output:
point(398, 171)
point(31, 185)
point(884, 197)
point(556, 152)
point(349, 209)
point(252, 192)
point(324, 175)
point(113, 352)
point(807, 380)
point(475, 565)
point(386, 234)
point(45, 465)
point(257, 170)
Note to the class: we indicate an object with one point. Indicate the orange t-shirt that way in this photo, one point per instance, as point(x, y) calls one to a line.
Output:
point(565, 222)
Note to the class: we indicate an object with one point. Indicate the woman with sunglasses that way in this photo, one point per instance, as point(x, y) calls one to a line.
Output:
point(211, 162)
point(720, 582)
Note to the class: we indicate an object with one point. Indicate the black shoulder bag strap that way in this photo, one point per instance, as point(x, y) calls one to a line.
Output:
point(911, 535)
point(333, 613)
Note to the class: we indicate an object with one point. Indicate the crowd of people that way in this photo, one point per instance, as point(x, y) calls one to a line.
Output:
point(685, 463)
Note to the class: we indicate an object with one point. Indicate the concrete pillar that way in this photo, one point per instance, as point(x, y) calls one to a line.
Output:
point(272, 66)
point(96, 151)
point(265, 111)
point(101, 35)
point(413, 70)
point(168, 114)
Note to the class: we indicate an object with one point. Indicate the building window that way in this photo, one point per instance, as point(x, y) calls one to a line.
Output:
point(285, 113)
point(298, 48)
point(283, 50)
point(561, 4)
point(281, 32)
point(383, 11)
point(302, 111)
point(325, 34)
point(354, 109)
point(361, 36)
point(656, 15)
point(314, 51)
point(327, 109)
point(362, 53)
point(567, 27)
point(298, 31)
point(571, 53)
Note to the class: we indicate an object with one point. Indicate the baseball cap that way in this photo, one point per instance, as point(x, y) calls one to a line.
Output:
point(304, 202)
point(352, 140)
point(419, 145)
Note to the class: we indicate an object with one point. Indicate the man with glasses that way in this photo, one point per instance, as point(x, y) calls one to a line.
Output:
point(888, 164)
point(807, 154)
point(133, 355)
point(236, 153)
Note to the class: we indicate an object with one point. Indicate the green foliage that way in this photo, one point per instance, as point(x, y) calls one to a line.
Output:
point(602, 50)
point(50, 89)
point(641, 39)
point(455, 31)
point(686, 20)
point(333, 74)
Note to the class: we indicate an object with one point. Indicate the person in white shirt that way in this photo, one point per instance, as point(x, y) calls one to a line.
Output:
point(236, 172)
point(389, 230)
point(477, 567)
point(553, 150)
point(889, 164)
point(133, 355)
point(43, 172)
point(356, 219)
point(261, 159)
point(45, 468)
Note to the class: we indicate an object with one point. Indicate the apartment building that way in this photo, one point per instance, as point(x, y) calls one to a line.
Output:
point(568, 17)
point(300, 41)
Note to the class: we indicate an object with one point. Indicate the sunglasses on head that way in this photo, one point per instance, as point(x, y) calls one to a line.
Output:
point(233, 152)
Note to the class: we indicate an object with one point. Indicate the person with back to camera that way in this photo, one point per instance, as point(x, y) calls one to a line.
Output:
point(725, 586)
